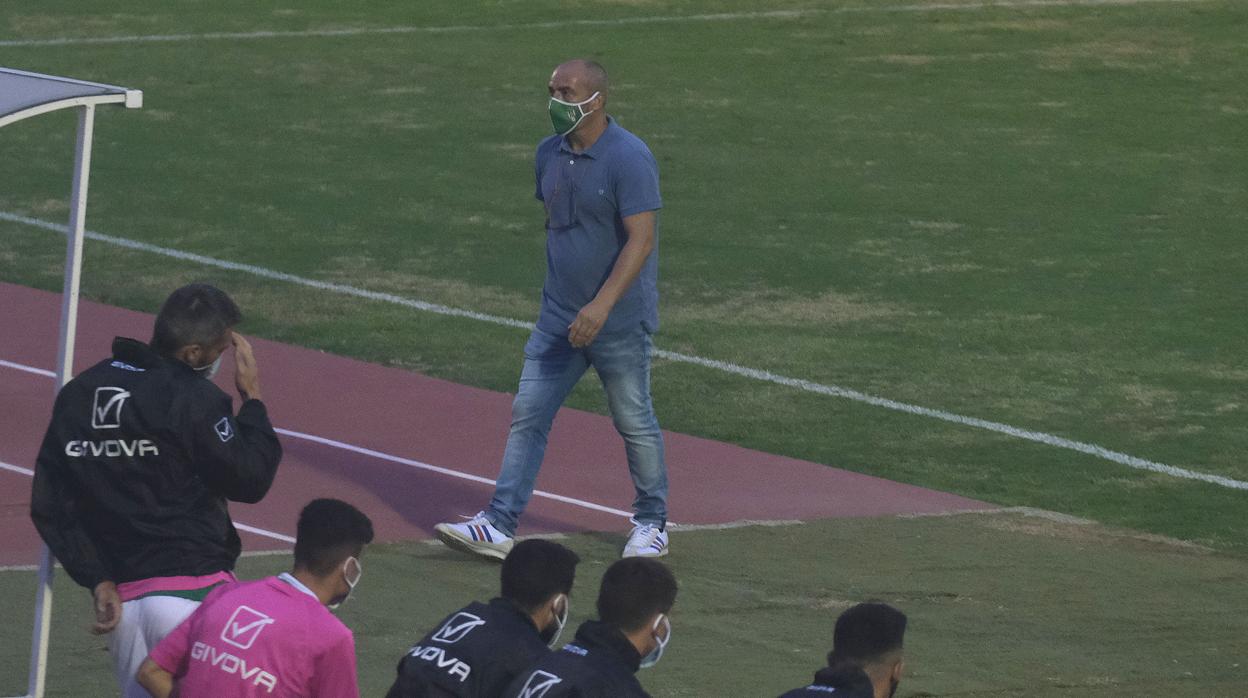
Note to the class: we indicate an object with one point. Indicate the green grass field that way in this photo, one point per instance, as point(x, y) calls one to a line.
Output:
point(1031, 215)
point(999, 605)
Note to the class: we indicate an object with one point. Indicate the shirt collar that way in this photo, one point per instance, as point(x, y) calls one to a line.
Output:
point(290, 579)
point(594, 151)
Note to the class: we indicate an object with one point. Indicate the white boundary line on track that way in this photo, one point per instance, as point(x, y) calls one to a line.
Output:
point(380, 455)
point(446, 471)
point(570, 23)
point(724, 366)
point(240, 526)
point(17, 469)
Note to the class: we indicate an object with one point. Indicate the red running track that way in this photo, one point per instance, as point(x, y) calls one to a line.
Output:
point(428, 422)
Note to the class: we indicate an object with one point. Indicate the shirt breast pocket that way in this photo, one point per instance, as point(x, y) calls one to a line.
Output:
point(559, 197)
point(595, 199)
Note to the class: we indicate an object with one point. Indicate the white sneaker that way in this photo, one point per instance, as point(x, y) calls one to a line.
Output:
point(646, 540)
point(477, 536)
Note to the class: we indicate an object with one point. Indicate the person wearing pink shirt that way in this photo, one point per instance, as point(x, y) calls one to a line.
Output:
point(274, 636)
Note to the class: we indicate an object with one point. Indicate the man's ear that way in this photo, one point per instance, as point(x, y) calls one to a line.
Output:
point(191, 355)
point(898, 668)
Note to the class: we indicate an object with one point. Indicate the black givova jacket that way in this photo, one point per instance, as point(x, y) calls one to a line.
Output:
point(137, 464)
point(599, 663)
point(473, 653)
point(843, 682)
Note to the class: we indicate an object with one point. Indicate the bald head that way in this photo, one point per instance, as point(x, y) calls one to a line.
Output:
point(581, 78)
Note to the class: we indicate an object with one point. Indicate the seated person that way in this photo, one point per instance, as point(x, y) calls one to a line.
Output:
point(866, 657)
point(273, 636)
point(631, 632)
point(478, 650)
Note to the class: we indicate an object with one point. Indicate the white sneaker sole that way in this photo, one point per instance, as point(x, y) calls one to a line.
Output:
point(643, 553)
point(454, 539)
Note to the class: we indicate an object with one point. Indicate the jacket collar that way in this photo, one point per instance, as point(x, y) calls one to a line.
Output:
point(506, 606)
point(140, 355)
point(594, 634)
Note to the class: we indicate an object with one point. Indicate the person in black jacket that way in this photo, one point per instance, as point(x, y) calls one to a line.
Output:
point(866, 658)
point(139, 459)
point(478, 650)
point(632, 631)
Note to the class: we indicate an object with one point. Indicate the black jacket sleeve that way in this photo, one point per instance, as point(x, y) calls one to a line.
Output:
point(236, 456)
point(54, 511)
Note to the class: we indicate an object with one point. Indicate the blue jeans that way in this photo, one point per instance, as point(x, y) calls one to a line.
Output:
point(552, 367)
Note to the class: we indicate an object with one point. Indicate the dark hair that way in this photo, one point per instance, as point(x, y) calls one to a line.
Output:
point(536, 570)
point(194, 314)
point(633, 591)
point(867, 633)
point(330, 531)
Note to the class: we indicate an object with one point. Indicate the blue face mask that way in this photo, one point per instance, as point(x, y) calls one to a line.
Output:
point(657, 653)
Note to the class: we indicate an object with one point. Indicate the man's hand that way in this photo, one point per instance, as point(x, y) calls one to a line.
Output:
point(246, 373)
point(107, 608)
point(588, 322)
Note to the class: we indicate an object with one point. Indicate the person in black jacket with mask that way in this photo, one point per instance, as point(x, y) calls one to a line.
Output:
point(478, 650)
point(632, 631)
point(140, 457)
point(866, 658)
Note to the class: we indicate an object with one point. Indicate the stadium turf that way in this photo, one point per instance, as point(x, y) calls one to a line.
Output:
point(999, 605)
point(1029, 213)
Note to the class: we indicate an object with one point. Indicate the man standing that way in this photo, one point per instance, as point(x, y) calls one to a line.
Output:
point(866, 659)
point(478, 650)
point(274, 636)
point(600, 187)
point(631, 633)
point(138, 461)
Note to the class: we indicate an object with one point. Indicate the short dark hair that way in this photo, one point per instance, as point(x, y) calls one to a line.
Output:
point(536, 570)
point(633, 590)
point(330, 531)
point(194, 314)
point(867, 633)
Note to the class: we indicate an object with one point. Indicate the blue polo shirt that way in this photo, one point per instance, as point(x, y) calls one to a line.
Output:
point(587, 195)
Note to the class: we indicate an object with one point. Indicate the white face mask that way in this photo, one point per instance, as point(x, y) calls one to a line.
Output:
point(561, 620)
point(657, 653)
point(210, 371)
point(349, 579)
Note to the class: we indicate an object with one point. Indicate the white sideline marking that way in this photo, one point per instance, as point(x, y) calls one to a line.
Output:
point(263, 532)
point(561, 24)
point(275, 275)
point(28, 369)
point(362, 451)
point(445, 471)
point(241, 526)
point(17, 469)
point(724, 366)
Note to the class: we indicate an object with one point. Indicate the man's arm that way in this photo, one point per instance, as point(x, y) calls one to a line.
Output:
point(639, 228)
point(237, 456)
point(54, 511)
point(156, 680)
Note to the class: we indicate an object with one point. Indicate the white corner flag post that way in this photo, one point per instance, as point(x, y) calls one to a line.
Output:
point(23, 95)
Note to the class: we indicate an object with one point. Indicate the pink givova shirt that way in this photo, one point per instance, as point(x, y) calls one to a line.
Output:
point(270, 637)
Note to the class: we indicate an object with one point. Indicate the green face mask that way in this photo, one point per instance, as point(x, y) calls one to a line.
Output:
point(566, 116)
